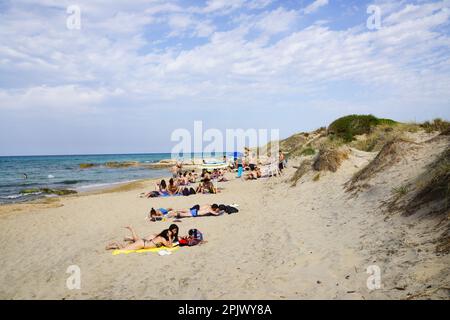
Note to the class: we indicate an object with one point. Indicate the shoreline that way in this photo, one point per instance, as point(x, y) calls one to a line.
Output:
point(52, 200)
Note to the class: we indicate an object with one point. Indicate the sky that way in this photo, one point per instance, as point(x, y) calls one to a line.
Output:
point(135, 71)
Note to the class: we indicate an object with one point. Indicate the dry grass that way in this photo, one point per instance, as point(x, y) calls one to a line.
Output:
point(437, 125)
point(434, 189)
point(330, 159)
point(443, 246)
point(391, 153)
point(304, 167)
point(383, 134)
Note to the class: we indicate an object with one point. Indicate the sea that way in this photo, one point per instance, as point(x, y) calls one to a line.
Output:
point(19, 173)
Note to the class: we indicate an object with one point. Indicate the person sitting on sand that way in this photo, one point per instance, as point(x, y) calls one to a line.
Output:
point(183, 179)
point(191, 177)
point(166, 238)
point(162, 190)
point(206, 186)
point(205, 174)
point(172, 188)
point(254, 174)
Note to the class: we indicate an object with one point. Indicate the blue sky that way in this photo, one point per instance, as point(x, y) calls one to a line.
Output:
point(137, 70)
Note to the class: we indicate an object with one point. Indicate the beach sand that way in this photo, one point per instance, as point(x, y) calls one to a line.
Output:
point(312, 241)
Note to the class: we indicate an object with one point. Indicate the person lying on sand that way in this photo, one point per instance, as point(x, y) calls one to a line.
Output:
point(166, 238)
point(197, 211)
point(159, 214)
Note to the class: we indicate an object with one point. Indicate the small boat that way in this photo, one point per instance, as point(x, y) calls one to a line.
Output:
point(211, 164)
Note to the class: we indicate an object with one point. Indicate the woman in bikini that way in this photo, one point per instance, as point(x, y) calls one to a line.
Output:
point(173, 189)
point(166, 238)
point(162, 188)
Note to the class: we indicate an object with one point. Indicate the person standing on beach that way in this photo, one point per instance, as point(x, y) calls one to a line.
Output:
point(281, 161)
point(252, 160)
point(239, 166)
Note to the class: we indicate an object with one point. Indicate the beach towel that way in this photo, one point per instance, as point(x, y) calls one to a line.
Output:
point(157, 250)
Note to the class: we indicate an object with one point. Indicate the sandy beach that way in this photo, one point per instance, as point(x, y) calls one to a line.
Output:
point(311, 241)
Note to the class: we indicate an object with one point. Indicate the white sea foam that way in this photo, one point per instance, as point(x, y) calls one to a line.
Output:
point(99, 186)
point(12, 196)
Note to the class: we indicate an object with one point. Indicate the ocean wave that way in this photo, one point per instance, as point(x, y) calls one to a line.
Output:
point(12, 196)
point(21, 184)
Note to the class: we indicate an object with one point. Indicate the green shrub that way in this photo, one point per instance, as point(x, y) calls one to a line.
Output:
point(308, 151)
point(348, 127)
point(400, 191)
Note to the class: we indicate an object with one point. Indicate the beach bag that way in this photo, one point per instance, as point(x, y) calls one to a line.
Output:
point(195, 237)
point(186, 192)
point(228, 209)
point(192, 191)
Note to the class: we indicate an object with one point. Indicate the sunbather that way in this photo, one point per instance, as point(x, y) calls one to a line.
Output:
point(159, 214)
point(166, 238)
point(198, 211)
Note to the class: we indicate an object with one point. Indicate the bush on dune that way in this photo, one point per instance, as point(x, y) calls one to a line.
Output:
point(350, 126)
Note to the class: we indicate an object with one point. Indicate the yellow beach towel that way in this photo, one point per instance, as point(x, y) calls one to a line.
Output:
point(120, 251)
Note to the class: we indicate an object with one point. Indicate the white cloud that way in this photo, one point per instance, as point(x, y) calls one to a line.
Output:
point(408, 57)
point(222, 5)
point(66, 99)
point(276, 21)
point(313, 7)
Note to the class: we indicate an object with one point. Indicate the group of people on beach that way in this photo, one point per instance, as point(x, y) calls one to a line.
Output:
point(181, 183)
point(253, 171)
point(184, 184)
point(169, 237)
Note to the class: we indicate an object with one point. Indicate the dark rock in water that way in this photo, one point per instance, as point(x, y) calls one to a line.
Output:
point(28, 191)
point(59, 192)
point(124, 164)
point(87, 165)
